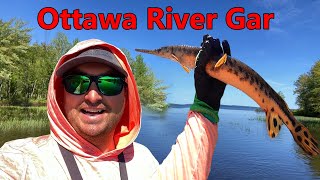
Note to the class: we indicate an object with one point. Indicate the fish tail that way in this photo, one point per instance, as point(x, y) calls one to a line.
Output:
point(303, 138)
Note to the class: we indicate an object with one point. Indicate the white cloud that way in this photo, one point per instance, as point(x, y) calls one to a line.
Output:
point(275, 82)
point(292, 13)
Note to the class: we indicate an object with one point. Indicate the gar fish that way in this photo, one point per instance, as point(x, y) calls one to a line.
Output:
point(234, 72)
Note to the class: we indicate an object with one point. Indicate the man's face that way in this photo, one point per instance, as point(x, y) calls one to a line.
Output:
point(93, 115)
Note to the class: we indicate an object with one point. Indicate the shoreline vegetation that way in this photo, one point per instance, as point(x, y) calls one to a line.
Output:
point(26, 67)
point(30, 113)
point(19, 122)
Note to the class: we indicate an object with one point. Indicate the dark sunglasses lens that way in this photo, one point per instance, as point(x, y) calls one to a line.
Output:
point(110, 86)
point(76, 84)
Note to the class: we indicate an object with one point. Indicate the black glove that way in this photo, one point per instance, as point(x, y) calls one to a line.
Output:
point(208, 89)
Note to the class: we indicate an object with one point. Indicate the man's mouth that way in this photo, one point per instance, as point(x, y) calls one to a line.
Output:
point(92, 111)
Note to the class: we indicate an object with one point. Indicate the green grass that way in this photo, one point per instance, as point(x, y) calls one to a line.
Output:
point(29, 126)
point(21, 122)
point(23, 107)
point(312, 123)
point(22, 113)
point(308, 119)
point(17, 129)
point(309, 122)
point(304, 119)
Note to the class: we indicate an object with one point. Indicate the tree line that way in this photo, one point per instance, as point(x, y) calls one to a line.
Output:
point(25, 68)
point(308, 92)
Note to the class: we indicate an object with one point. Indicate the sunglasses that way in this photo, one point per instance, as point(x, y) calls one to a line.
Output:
point(80, 84)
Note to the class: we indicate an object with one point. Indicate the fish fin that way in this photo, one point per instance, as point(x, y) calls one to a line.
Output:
point(221, 61)
point(177, 59)
point(274, 123)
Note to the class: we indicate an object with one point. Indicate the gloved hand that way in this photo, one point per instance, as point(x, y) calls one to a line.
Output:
point(209, 91)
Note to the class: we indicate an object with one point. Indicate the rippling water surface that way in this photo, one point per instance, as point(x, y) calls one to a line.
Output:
point(244, 149)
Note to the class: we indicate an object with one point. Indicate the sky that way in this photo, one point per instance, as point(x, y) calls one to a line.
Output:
point(280, 55)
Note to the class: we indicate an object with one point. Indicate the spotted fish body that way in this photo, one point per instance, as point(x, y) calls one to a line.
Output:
point(236, 73)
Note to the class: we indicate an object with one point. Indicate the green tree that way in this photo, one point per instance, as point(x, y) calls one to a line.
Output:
point(75, 41)
point(308, 91)
point(281, 94)
point(62, 44)
point(129, 57)
point(42, 59)
point(14, 43)
point(151, 90)
point(25, 69)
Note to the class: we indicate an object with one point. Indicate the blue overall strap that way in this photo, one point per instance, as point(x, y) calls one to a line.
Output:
point(71, 163)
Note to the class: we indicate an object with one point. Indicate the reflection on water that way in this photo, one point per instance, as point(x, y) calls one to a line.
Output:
point(244, 149)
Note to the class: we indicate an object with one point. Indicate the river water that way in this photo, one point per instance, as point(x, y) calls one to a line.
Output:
point(244, 150)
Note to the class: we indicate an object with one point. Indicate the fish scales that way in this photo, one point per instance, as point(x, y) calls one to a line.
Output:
point(244, 78)
point(274, 106)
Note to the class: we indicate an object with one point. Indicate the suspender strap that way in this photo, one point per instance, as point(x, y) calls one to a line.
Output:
point(71, 163)
point(74, 170)
point(122, 166)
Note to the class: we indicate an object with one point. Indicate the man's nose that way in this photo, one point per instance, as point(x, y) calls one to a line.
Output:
point(93, 95)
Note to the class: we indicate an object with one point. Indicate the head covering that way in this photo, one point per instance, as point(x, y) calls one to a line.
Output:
point(94, 55)
point(60, 129)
